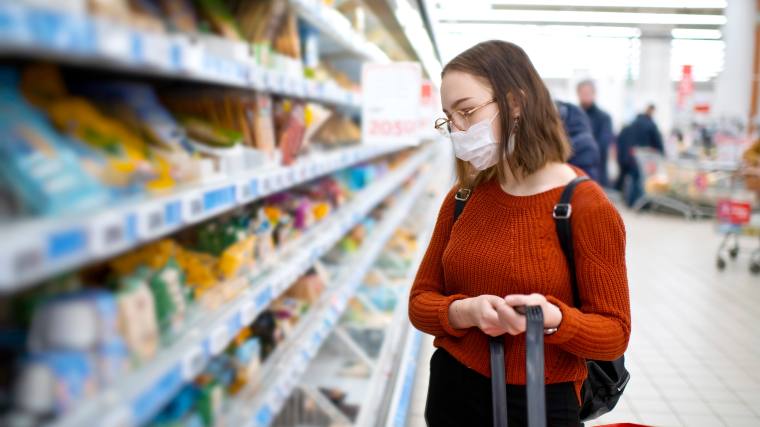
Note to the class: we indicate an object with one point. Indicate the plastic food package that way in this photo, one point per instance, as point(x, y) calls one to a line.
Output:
point(137, 316)
point(41, 167)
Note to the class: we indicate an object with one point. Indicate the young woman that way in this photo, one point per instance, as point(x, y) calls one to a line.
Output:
point(503, 251)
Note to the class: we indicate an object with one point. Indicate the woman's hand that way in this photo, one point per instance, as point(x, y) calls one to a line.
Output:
point(552, 313)
point(489, 313)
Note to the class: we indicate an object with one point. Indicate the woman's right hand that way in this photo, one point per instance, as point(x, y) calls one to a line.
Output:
point(489, 313)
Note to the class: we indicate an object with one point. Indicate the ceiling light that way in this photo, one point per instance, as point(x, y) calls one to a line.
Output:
point(695, 33)
point(660, 4)
point(581, 17)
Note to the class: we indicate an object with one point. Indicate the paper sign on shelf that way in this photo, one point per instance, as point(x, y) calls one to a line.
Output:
point(391, 103)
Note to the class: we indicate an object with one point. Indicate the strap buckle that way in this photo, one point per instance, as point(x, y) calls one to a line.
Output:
point(562, 211)
point(463, 194)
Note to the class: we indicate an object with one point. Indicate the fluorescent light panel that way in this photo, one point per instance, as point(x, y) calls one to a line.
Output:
point(663, 4)
point(695, 33)
point(621, 18)
point(496, 30)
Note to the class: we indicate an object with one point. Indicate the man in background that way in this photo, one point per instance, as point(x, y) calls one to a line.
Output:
point(601, 125)
point(578, 129)
point(642, 132)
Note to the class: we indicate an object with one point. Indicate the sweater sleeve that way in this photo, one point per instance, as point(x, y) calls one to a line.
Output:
point(428, 301)
point(601, 328)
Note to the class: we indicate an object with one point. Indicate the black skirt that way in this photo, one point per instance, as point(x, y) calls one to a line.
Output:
point(459, 396)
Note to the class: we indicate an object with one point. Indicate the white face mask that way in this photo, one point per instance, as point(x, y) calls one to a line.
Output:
point(476, 145)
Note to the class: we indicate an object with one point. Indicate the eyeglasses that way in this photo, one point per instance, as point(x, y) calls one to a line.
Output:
point(459, 118)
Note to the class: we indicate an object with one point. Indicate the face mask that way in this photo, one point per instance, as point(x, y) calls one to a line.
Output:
point(476, 145)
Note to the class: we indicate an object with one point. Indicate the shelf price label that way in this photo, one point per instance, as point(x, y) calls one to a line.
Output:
point(113, 40)
point(218, 339)
point(193, 362)
point(151, 220)
point(220, 198)
point(248, 312)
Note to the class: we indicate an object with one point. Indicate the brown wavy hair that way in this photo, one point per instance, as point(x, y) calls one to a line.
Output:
point(540, 137)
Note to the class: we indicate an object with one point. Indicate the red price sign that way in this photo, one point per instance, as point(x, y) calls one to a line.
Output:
point(392, 127)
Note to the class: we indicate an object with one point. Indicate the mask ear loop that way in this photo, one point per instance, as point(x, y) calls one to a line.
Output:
point(511, 139)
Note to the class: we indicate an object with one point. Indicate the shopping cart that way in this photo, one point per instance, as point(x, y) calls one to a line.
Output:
point(656, 173)
point(735, 219)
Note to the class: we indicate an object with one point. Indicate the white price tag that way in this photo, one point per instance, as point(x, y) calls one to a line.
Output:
point(192, 58)
point(248, 312)
point(114, 40)
point(110, 234)
point(193, 363)
point(192, 206)
point(150, 220)
point(218, 340)
point(156, 50)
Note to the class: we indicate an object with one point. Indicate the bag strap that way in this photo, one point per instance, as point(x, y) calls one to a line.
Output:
point(563, 210)
point(460, 199)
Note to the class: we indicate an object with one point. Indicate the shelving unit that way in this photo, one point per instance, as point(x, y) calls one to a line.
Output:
point(142, 394)
point(335, 27)
point(38, 248)
point(384, 396)
point(284, 369)
point(29, 30)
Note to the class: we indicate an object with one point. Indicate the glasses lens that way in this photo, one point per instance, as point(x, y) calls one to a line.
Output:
point(442, 126)
point(459, 121)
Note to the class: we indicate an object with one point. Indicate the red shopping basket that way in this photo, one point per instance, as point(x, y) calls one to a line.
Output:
point(734, 212)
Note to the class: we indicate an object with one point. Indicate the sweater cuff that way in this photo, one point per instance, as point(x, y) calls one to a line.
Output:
point(443, 315)
point(568, 327)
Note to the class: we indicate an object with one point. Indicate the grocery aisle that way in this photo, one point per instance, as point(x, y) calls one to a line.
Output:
point(694, 354)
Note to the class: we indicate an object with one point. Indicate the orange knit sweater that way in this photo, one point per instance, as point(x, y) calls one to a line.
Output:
point(503, 244)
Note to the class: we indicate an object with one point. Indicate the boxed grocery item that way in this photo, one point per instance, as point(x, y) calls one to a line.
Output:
point(41, 167)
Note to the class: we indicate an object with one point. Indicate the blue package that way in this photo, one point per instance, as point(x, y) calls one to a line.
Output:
point(43, 171)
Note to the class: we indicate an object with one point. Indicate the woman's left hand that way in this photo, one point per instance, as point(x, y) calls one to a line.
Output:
point(552, 313)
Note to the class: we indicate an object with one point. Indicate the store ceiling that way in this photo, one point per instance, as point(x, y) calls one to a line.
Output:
point(580, 25)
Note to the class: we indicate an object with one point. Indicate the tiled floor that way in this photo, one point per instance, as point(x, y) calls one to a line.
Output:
point(694, 354)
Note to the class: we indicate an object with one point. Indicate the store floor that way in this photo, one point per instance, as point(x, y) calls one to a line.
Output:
point(694, 353)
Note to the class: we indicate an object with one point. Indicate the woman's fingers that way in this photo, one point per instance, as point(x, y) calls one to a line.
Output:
point(518, 300)
point(510, 319)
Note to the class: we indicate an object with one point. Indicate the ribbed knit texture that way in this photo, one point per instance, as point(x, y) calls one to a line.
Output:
point(504, 244)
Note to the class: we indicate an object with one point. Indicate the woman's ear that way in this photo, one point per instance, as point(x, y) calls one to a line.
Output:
point(514, 106)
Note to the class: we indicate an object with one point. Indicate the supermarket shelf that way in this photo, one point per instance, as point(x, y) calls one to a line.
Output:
point(390, 357)
point(39, 248)
point(140, 395)
point(402, 389)
point(285, 367)
point(337, 28)
point(52, 32)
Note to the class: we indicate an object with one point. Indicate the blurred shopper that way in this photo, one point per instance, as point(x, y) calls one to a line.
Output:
point(642, 132)
point(502, 253)
point(601, 126)
point(585, 154)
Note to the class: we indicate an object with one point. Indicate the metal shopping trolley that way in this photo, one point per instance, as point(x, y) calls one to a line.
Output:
point(656, 172)
point(736, 214)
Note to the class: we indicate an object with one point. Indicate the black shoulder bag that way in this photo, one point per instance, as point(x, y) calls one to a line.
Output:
point(606, 380)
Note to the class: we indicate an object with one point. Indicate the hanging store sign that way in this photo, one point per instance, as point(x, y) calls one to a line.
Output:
point(391, 96)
